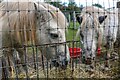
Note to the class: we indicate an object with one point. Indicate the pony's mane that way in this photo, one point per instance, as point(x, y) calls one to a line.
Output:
point(89, 11)
point(86, 17)
point(21, 16)
point(17, 19)
point(99, 11)
point(94, 10)
point(57, 14)
point(18, 13)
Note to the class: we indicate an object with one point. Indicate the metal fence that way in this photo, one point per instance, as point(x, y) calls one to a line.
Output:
point(20, 41)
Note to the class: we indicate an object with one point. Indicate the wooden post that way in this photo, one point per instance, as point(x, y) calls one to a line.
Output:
point(118, 33)
point(69, 19)
point(118, 37)
point(74, 20)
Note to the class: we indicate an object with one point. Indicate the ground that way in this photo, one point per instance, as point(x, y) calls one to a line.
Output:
point(77, 70)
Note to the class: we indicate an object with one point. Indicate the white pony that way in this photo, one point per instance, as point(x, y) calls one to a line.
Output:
point(40, 25)
point(97, 28)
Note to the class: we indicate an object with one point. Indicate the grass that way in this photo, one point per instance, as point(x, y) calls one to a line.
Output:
point(79, 72)
point(71, 34)
point(72, 31)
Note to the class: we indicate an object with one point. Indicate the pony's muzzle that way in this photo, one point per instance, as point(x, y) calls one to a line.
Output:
point(55, 63)
point(64, 64)
point(63, 61)
point(60, 63)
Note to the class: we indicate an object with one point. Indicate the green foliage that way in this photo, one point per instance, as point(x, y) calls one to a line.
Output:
point(72, 5)
point(57, 4)
point(98, 5)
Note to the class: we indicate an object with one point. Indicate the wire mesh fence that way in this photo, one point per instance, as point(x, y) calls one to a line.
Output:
point(44, 39)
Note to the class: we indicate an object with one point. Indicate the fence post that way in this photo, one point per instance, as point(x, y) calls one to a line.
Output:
point(74, 20)
point(1, 52)
point(118, 37)
point(69, 19)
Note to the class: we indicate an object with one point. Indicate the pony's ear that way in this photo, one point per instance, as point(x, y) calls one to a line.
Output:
point(102, 18)
point(79, 19)
point(35, 5)
point(41, 12)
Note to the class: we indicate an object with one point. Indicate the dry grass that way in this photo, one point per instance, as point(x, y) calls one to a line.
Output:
point(79, 71)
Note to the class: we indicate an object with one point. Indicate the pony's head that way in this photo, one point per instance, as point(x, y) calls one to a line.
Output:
point(90, 31)
point(51, 29)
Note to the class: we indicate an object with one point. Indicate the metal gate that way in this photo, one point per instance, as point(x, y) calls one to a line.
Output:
point(22, 38)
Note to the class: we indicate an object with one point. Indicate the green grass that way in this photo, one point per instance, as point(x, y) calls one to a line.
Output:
point(72, 25)
point(71, 34)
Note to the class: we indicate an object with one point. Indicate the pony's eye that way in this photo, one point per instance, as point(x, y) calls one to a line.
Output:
point(53, 35)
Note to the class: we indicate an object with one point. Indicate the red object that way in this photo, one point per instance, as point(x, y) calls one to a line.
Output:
point(98, 52)
point(75, 52)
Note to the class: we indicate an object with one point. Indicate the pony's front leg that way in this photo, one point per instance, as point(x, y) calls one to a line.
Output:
point(111, 54)
point(7, 63)
point(114, 55)
point(109, 50)
point(21, 62)
point(107, 56)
